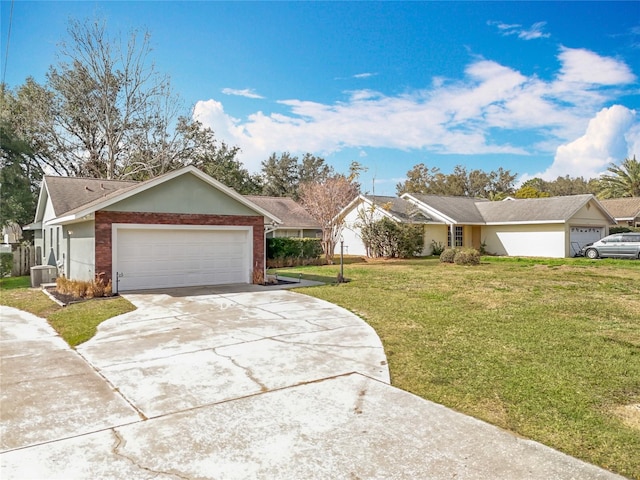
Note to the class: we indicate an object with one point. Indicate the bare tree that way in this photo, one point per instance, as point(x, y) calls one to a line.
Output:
point(103, 106)
point(324, 201)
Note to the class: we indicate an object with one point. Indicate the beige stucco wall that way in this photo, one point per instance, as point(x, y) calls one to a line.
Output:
point(434, 233)
point(589, 215)
point(183, 194)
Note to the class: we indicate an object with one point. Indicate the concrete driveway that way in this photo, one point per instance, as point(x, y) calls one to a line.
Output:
point(233, 383)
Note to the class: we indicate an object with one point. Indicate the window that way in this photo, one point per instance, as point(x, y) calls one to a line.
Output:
point(458, 236)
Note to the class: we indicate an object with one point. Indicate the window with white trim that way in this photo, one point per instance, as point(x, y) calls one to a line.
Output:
point(458, 236)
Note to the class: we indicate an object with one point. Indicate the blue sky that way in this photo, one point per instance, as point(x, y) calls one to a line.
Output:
point(543, 89)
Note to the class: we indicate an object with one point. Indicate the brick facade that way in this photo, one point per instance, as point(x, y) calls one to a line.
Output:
point(103, 233)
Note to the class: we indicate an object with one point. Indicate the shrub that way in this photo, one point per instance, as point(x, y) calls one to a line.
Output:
point(293, 251)
point(448, 254)
point(79, 289)
point(437, 248)
point(622, 229)
point(82, 289)
point(6, 264)
point(386, 238)
point(63, 285)
point(468, 256)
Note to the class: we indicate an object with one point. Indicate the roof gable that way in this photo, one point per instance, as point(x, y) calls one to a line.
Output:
point(182, 194)
point(452, 209)
point(131, 189)
point(68, 193)
point(398, 208)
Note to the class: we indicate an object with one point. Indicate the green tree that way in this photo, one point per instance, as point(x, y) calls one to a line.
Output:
point(622, 180)
point(529, 191)
point(313, 169)
point(282, 176)
point(18, 174)
point(461, 182)
point(199, 147)
point(419, 180)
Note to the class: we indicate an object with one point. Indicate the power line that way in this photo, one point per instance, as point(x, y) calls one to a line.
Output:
point(6, 55)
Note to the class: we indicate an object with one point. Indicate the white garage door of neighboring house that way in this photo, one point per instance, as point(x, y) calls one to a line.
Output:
point(178, 256)
point(580, 236)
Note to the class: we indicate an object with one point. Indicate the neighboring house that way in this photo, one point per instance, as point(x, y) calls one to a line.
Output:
point(296, 221)
point(539, 227)
point(11, 233)
point(372, 208)
point(180, 229)
point(625, 211)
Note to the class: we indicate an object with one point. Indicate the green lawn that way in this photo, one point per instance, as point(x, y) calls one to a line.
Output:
point(76, 323)
point(547, 349)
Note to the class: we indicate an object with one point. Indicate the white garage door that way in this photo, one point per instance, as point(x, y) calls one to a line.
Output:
point(580, 236)
point(179, 257)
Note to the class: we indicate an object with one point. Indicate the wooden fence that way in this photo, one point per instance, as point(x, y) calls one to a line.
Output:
point(24, 257)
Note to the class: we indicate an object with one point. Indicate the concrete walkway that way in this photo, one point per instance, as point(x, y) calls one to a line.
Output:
point(235, 383)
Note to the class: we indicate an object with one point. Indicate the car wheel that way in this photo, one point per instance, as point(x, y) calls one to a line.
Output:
point(592, 253)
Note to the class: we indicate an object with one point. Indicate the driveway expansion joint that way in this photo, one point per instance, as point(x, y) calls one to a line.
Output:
point(114, 388)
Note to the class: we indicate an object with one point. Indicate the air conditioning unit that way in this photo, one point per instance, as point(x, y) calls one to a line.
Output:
point(43, 274)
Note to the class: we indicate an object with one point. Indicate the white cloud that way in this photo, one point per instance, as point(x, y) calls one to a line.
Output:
point(364, 75)
point(451, 117)
point(531, 33)
point(583, 66)
point(610, 137)
point(247, 92)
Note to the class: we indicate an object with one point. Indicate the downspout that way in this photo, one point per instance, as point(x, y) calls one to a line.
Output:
point(452, 235)
point(267, 229)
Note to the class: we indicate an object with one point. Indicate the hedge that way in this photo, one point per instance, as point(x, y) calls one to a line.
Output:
point(286, 251)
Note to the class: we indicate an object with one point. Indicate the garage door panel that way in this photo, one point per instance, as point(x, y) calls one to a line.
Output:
point(177, 257)
point(581, 236)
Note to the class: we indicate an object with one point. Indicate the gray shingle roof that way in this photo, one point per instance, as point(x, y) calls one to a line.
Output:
point(292, 214)
point(533, 209)
point(399, 208)
point(70, 193)
point(460, 209)
point(622, 207)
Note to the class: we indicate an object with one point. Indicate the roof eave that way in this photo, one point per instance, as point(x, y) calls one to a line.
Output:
point(527, 222)
point(69, 219)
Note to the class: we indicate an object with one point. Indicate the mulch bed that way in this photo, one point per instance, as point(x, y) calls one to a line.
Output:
point(68, 299)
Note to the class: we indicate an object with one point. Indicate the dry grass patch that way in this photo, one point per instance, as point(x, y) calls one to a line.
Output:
point(628, 414)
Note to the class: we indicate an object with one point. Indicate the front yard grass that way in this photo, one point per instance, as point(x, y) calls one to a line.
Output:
point(75, 323)
point(549, 349)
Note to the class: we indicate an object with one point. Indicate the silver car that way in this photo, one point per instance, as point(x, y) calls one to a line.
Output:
point(616, 245)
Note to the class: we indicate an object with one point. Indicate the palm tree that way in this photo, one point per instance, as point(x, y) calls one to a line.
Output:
point(622, 181)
